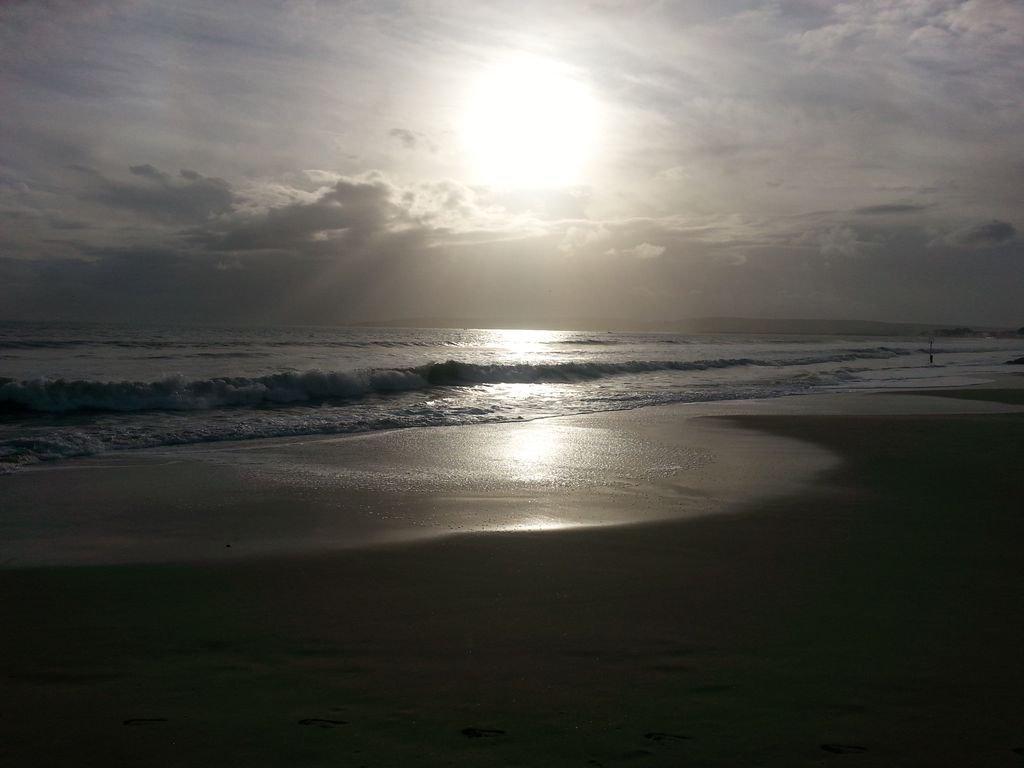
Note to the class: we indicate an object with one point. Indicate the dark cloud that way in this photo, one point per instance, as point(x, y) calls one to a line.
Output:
point(396, 269)
point(349, 212)
point(404, 136)
point(152, 285)
point(191, 197)
point(890, 208)
point(992, 232)
point(412, 139)
point(149, 172)
point(57, 221)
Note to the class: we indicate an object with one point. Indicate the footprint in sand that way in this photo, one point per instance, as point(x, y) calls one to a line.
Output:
point(479, 733)
point(843, 749)
point(321, 722)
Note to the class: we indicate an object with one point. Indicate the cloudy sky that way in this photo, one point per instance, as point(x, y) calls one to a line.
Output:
point(323, 162)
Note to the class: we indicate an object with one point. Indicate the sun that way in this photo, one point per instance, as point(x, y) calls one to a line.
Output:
point(529, 123)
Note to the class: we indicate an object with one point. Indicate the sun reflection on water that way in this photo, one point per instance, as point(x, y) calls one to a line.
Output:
point(523, 343)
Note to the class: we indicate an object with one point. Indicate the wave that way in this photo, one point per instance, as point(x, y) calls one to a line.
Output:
point(585, 342)
point(217, 355)
point(29, 344)
point(62, 396)
point(178, 394)
point(51, 441)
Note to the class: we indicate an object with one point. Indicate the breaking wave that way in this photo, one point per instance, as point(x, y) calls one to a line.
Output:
point(63, 396)
point(30, 344)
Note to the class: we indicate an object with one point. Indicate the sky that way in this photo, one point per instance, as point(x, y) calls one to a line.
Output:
point(335, 162)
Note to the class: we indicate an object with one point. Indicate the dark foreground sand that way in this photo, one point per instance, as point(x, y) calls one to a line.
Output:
point(879, 613)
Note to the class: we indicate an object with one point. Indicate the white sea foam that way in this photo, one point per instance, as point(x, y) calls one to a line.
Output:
point(178, 394)
point(69, 391)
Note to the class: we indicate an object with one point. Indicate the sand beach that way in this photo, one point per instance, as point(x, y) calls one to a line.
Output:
point(826, 578)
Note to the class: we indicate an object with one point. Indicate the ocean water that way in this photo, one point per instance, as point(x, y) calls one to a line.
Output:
point(74, 390)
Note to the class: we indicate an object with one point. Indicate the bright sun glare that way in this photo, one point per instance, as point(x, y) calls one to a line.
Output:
point(529, 123)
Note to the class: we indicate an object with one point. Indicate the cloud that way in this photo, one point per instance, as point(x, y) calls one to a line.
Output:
point(357, 211)
point(149, 172)
point(839, 240)
point(411, 139)
point(351, 209)
point(191, 197)
point(641, 251)
point(993, 232)
point(405, 137)
point(759, 144)
point(890, 209)
point(578, 237)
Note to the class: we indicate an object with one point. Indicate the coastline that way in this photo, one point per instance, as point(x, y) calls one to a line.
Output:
point(264, 498)
point(289, 496)
point(800, 618)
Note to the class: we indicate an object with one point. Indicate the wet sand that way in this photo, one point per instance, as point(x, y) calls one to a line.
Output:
point(870, 614)
point(231, 501)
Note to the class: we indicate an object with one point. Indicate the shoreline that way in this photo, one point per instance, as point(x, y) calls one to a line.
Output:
point(292, 497)
point(879, 608)
point(287, 496)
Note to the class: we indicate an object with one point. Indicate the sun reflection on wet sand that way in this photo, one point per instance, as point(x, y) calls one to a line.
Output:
point(533, 453)
point(539, 524)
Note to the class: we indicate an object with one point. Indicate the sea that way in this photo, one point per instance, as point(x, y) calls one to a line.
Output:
point(69, 390)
